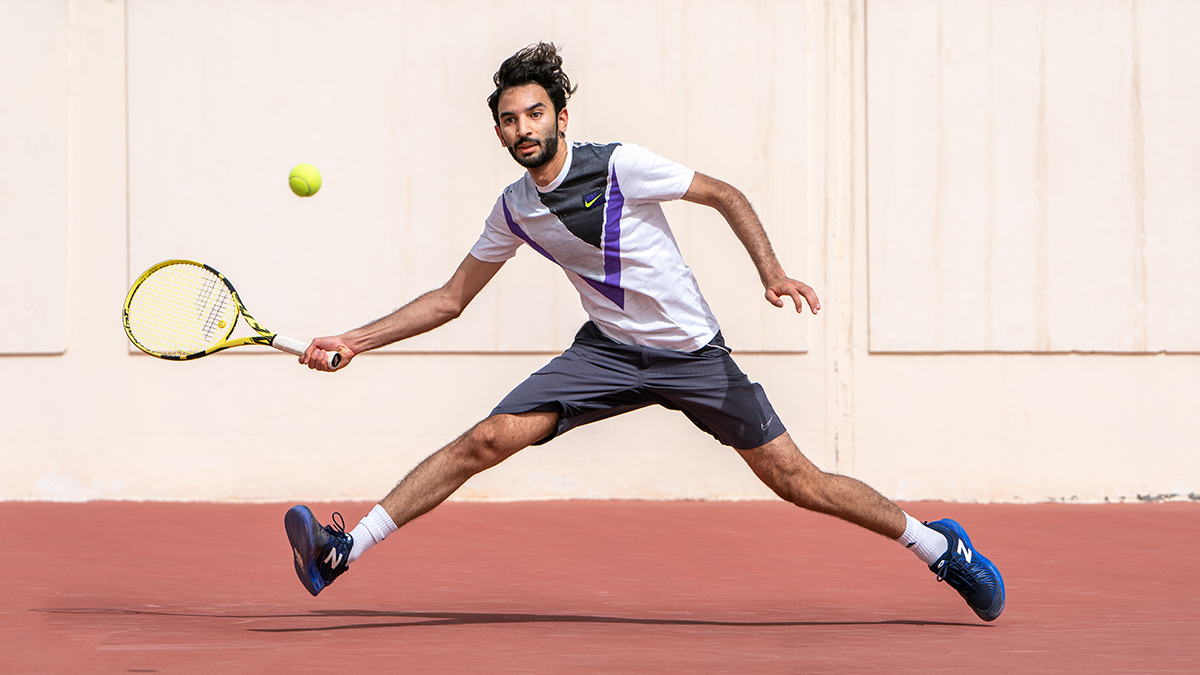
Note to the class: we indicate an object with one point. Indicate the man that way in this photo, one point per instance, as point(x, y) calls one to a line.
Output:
point(594, 211)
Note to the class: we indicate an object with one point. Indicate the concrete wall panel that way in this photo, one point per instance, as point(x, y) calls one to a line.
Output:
point(33, 177)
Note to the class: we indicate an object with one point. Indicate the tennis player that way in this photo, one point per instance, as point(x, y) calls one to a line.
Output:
point(594, 210)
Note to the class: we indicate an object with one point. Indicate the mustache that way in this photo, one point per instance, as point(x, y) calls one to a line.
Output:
point(546, 148)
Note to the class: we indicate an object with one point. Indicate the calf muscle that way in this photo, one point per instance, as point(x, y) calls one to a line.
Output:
point(784, 469)
point(487, 444)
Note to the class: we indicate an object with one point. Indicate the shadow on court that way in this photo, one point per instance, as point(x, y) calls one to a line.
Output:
point(594, 586)
point(469, 618)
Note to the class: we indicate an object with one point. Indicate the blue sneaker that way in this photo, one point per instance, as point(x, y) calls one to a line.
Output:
point(972, 575)
point(320, 550)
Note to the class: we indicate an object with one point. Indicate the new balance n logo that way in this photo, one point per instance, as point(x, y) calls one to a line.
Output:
point(336, 558)
point(964, 551)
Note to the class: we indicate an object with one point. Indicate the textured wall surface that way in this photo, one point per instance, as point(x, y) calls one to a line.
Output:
point(33, 177)
point(995, 201)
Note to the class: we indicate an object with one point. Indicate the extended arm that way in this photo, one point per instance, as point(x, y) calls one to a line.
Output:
point(736, 209)
point(424, 314)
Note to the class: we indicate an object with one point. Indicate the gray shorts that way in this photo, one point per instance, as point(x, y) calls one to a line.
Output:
point(598, 378)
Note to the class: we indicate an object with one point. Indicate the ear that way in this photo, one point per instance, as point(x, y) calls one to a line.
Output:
point(562, 122)
point(500, 135)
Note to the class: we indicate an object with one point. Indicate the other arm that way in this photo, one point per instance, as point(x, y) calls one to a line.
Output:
point(736, 209)
point(423, 314)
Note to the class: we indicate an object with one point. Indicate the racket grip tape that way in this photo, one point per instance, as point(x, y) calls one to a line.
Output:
point(292, 346)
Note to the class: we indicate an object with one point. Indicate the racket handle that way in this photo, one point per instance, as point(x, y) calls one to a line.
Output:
point(286, 344)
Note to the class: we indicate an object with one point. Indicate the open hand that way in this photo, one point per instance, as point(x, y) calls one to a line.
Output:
point(785, 286)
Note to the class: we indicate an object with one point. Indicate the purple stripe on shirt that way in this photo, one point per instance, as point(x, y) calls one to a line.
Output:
point(614, 293)
point(516, 229)
point(612, 266)
point(612, 244)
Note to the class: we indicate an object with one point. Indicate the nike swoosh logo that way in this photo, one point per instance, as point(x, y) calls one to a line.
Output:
point(764, 427)
point(588, 204)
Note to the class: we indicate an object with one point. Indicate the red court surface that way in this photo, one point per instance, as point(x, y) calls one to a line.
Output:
point(594, 587)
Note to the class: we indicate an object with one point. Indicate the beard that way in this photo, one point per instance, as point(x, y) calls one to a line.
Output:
point(549, 148)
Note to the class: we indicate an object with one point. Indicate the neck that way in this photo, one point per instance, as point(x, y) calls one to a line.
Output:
point(546, 173)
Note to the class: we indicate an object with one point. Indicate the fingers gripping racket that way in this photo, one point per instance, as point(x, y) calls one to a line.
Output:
point(182, 310)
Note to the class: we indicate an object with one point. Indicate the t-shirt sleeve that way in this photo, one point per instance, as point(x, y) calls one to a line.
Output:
point(497, 243)
point(645, 177)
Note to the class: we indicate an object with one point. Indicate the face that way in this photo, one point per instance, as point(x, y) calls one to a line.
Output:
point(528, 126)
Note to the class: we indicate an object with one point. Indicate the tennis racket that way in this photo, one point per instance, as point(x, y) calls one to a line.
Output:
point(182, 310)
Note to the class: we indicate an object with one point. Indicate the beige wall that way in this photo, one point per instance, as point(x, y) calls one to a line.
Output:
point(33, 176)
point(1045, 156)
point(995, 201)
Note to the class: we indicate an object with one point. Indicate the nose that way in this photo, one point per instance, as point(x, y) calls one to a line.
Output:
point(524, 128)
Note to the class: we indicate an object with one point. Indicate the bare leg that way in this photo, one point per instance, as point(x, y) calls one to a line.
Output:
point(488, 443)
point(786, 470)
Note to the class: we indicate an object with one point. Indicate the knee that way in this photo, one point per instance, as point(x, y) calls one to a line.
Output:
point(482, 447)
point(789, 474)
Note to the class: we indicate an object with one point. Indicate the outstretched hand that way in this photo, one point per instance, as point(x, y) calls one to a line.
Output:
point(317, 354)
point(781, 288)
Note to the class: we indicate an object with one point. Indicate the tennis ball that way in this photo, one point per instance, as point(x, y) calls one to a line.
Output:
point(305, 180)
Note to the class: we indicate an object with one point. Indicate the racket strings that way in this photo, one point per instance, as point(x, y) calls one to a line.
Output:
point(216, 309)
point(181, 309)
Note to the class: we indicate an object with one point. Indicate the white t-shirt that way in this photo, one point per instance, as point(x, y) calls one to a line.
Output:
point(600, 220)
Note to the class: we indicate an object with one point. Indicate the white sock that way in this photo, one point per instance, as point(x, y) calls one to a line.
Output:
point(371, 530)
point(927, 543)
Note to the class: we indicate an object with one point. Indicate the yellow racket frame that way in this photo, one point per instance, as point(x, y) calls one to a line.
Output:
point(264, 337)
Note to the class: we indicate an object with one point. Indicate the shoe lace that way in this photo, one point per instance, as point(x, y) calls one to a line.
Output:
point(337, 531)
point(340, 524)
point(961, 574)
point(339, 541)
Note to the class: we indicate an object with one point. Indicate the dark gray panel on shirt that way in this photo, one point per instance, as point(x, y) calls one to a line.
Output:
point(579, 200)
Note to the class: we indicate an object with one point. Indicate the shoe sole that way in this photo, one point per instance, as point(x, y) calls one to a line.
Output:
point(962, 534)
point(299, 523)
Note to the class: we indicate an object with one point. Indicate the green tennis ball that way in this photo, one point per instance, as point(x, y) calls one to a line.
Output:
point(305, 180)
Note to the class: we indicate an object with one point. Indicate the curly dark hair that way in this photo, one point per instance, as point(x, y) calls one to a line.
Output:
point(535, 64)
